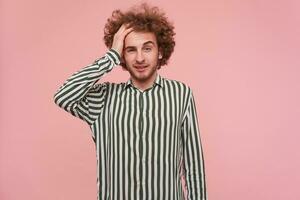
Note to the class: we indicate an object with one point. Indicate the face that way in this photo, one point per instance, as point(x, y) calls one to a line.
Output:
point(141, 56)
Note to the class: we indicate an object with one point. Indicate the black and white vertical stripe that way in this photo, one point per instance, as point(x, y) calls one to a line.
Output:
point(145, 140)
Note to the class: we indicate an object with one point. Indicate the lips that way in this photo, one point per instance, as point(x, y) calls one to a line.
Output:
point(140, 68)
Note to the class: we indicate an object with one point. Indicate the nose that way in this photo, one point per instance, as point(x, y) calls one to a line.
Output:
point(140, 57)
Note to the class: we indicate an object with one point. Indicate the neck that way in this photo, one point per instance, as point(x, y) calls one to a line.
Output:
point(143, 85)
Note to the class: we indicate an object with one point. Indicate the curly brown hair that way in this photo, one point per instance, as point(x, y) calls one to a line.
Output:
point(144, 18)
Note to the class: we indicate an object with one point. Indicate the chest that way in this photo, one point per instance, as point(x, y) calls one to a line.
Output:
point(155, 110)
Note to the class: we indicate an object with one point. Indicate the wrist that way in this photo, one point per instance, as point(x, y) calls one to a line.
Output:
point(114, 55)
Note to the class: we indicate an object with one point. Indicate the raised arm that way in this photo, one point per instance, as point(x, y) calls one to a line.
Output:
point(79, 94)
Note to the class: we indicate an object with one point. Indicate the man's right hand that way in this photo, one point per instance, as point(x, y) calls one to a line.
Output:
point(119, 38)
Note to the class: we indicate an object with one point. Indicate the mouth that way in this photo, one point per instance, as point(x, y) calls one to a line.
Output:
point(140, 68)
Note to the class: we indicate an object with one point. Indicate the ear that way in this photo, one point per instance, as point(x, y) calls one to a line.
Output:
point(159, 55)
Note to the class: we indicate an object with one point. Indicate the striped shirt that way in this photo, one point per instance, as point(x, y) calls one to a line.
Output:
point(145, 140)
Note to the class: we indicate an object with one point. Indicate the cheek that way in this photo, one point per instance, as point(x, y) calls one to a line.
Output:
point(128, 58)
point(153, 58)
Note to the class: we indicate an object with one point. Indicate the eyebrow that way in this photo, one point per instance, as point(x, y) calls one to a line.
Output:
point(148, 42)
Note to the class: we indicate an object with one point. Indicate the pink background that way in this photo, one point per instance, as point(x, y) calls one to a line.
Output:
point(241, 58)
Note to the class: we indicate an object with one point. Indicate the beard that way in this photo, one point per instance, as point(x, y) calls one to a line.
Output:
point(143, 76)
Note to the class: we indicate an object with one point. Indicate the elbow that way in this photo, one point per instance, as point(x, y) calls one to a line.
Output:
point(56, 99)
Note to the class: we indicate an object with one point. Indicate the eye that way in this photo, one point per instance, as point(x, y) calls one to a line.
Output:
point(148, 48)
point(129, 50)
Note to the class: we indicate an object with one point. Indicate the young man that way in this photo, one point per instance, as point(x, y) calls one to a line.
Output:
point(145, 130)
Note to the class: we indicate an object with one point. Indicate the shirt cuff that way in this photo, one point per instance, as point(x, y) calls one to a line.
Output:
point(114, 56)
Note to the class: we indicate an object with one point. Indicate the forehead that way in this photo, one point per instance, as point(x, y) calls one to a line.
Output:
point(139, 38)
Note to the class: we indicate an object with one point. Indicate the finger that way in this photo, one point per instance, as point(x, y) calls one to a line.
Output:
point(127, 25)
point(122, 28)
point(128, 30)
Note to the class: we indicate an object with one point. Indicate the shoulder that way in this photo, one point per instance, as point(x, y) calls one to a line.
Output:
point(178, 85)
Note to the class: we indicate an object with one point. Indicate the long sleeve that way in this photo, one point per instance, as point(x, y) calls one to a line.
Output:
point(193, 154)
point(80, 95)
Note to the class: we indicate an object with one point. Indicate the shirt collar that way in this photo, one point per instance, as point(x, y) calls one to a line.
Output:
point(158, 81)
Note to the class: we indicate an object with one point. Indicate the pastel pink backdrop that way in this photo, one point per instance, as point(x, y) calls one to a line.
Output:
point(241, 58)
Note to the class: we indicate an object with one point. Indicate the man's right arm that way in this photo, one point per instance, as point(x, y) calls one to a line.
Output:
point(80, 95)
